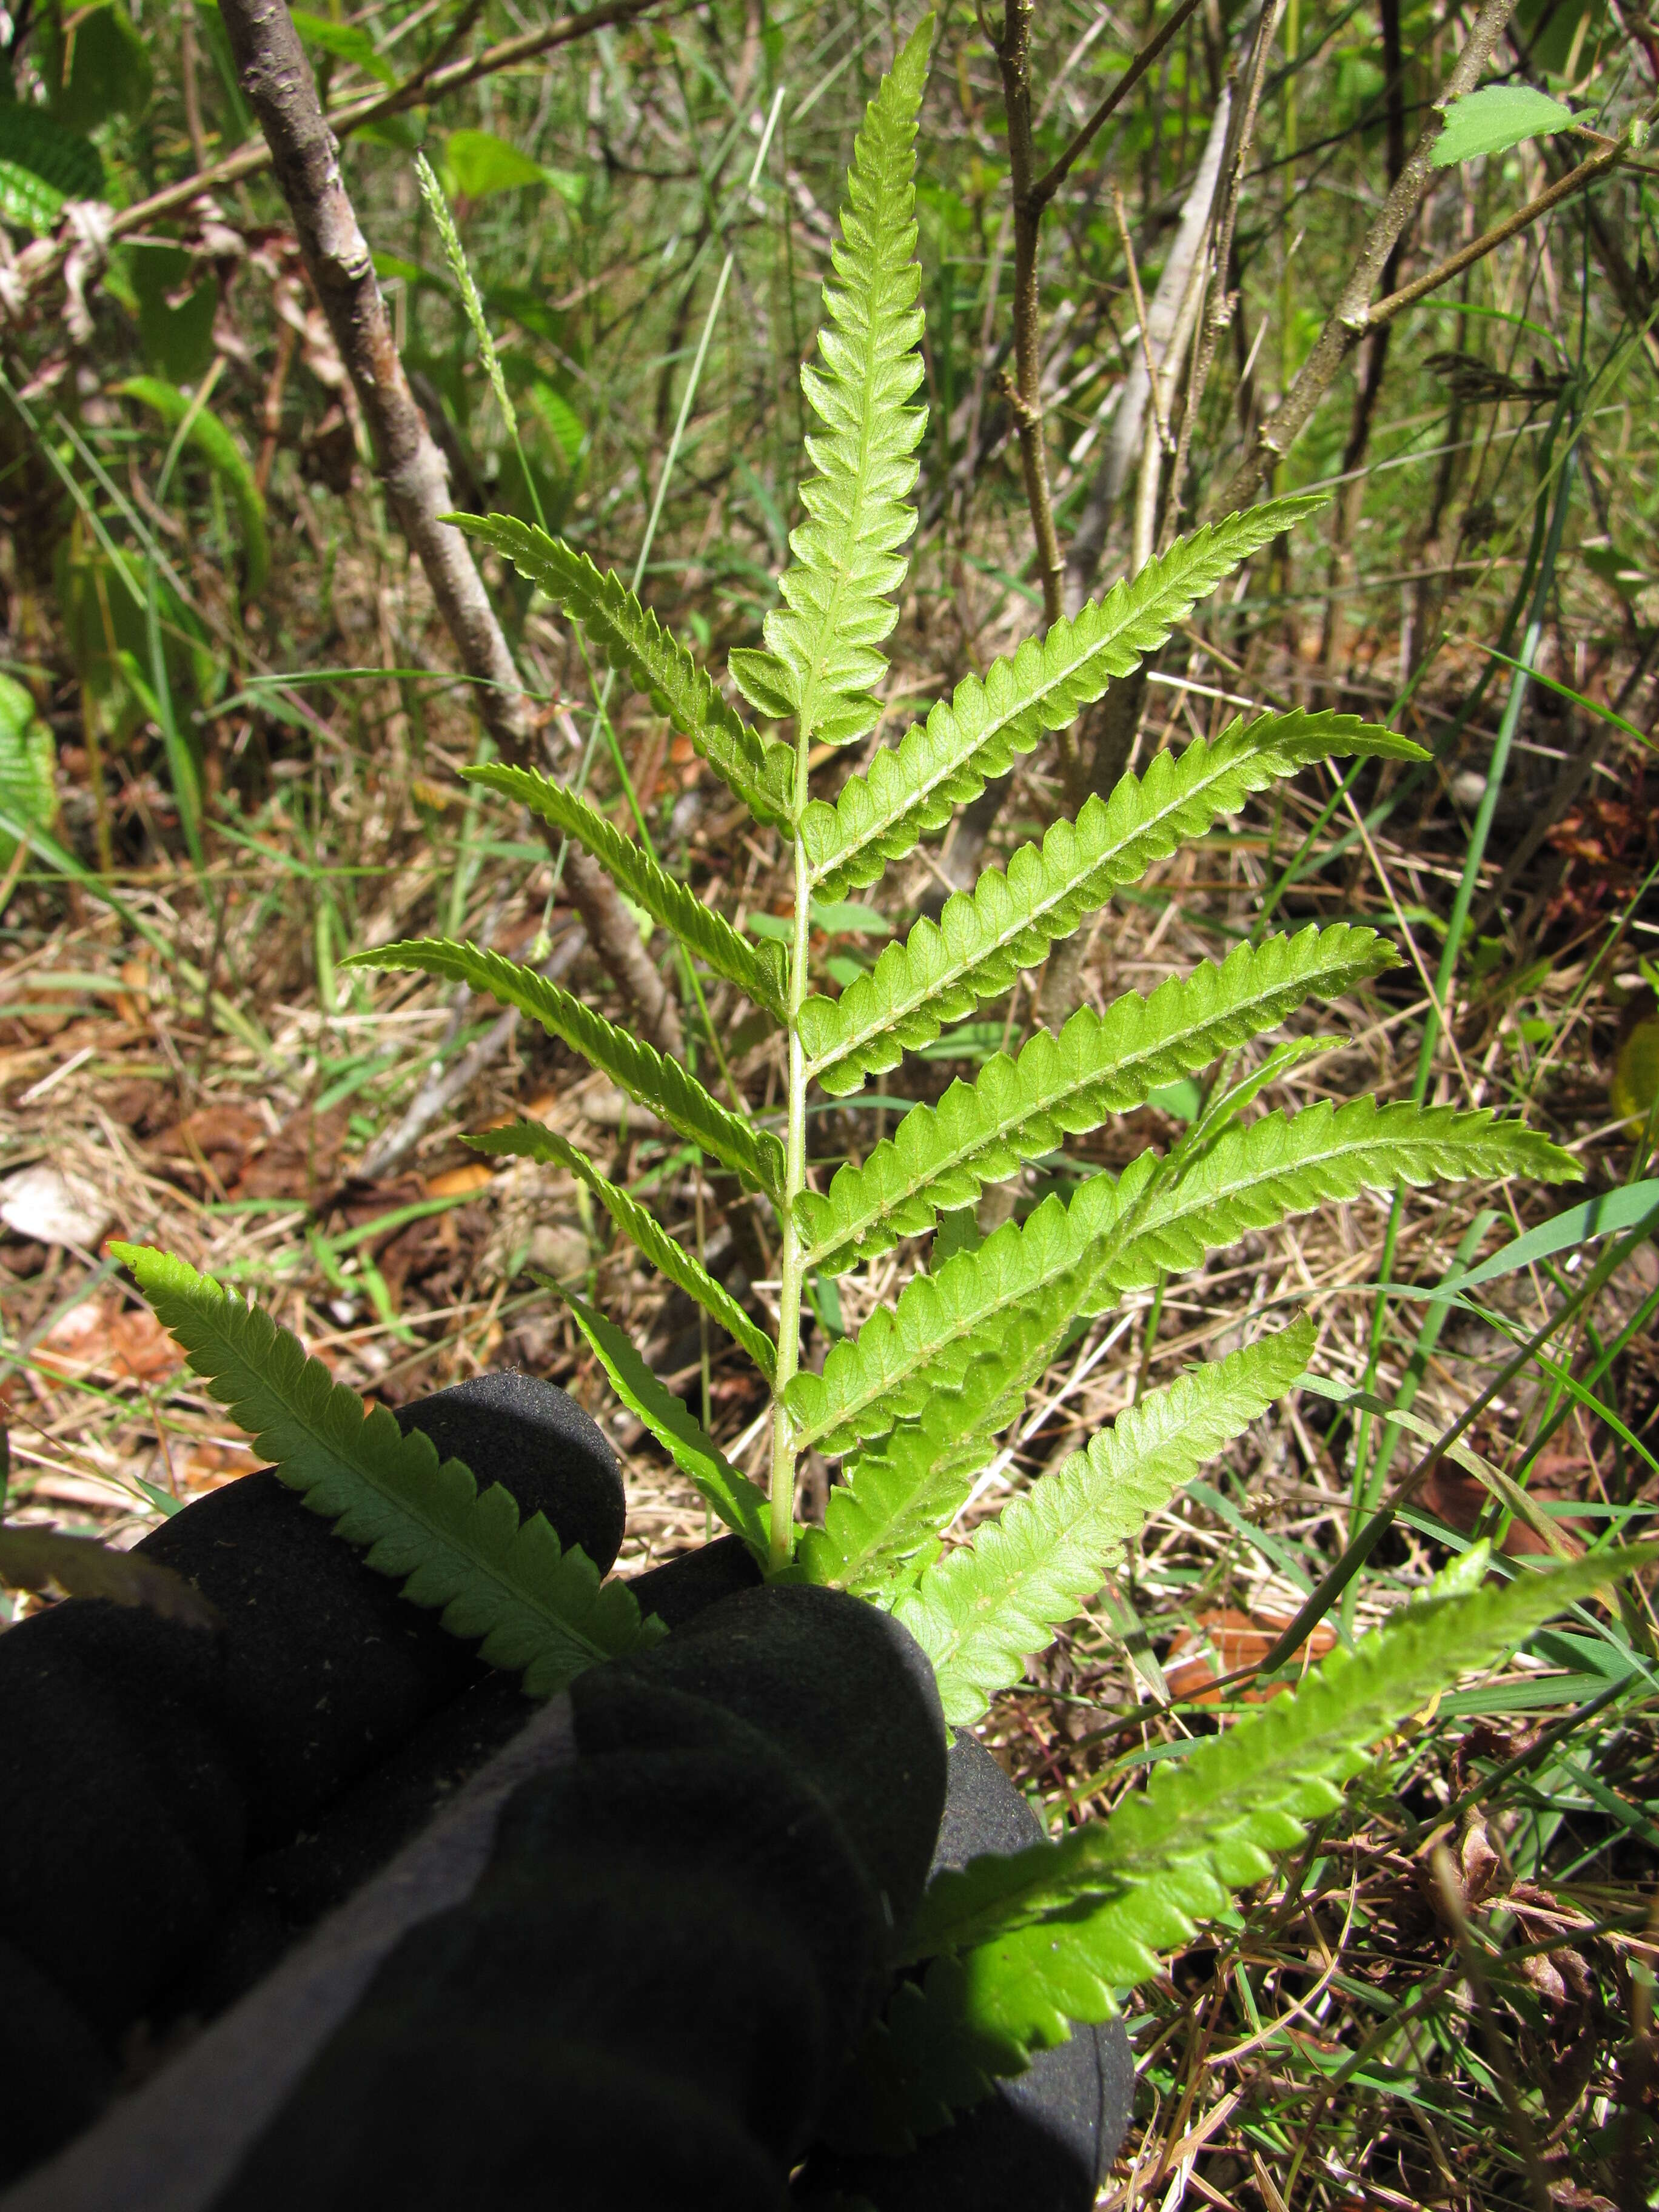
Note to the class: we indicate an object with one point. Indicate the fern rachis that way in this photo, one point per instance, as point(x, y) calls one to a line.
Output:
point(915, 1401)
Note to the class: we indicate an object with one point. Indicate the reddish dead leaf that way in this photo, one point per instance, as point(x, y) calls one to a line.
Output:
point(300, 1161)
point(456, 1182)
point(1236, 1639)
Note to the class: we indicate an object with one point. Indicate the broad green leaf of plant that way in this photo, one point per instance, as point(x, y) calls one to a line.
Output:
point(346, 42)
point(1494, 119)
point(532, 1140)
point(738, 1502)
point(982, 1611)
point(540, 1609)
point(477, 163)
point(42, 164)
point(28, 763)
point(209, 438)
point(662, 1085)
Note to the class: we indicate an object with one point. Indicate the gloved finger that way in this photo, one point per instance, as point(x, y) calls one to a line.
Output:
point(1042, 2141)
point(682, 1925)
point(286, 1892)
point(139, 1758)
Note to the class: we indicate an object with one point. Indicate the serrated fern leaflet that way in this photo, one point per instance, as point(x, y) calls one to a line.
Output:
point(761, 771)
point(1259, 1175)
point(837, 594)
point(757, 969)
point(981, 1612)
point(982, 940)
point(662, 1085)
point(533, 1140)
point(988, 722)
point(942, 1157)
point(538, 1609)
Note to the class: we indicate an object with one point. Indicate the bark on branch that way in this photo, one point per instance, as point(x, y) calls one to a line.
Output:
point(277, 83)
point(1351, 320)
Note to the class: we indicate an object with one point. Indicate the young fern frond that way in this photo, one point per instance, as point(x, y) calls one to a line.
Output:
point(660, 1085)
point(914, 1402)
point(533, 1140)
point(758, 770)
point(539, 1609)
point(838, 606)
point(759, 971)
point(981, 1612)
point(988, 722)
point(942, 1157)
point(944, 969)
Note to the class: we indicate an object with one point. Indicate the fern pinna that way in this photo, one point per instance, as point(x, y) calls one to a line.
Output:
point(913, 1403)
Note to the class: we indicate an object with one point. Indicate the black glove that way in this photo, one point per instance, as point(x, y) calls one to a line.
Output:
point(625, 1966)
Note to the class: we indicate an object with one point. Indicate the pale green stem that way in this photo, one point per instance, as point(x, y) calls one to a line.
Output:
point(791, 1267)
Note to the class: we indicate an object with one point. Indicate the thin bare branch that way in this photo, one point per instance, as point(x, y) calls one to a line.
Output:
point(277, 83)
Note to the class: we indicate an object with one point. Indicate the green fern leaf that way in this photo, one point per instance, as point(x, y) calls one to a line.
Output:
point(837, 593)
point(760, 771)
point(533, 1140)
point(983, 940)
point(1037, 1955)
point(537, 1607)
point(740, 1502)
point(916, 787)
point(759, 971)
point(1256, 1177)
point(942, 1157)
point(990, 1304)
point(980, 1612)
point(661, 1086)
point(882, 1521)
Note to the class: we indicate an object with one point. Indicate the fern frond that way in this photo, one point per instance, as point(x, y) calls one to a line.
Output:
point(1035, 1952)
point(942, 1157)
point(981, 941)
point(837, 593)
point(1021, 1947)
point(988, 722)
point(630, 639)
point(740, 1502)
point(533, 1140)
point(1256, 1177)
point(882, 1521)
point(981, 1612)
point(538, 1609)
point(759, 971)
point(661, 1086)
point(983, 1304)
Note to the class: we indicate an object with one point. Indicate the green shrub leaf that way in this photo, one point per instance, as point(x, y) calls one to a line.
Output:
point(1494, 119)
point(540, 1609)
